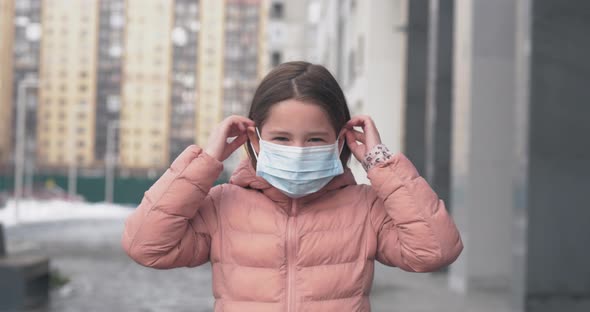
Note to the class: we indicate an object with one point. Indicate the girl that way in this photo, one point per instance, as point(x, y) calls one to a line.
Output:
point(292, 231)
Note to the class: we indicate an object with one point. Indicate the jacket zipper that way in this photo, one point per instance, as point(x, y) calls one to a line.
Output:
point(291, 254)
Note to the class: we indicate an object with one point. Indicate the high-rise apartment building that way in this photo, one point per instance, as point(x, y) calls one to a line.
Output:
point(146, 86)
point(242, 53)
point(184, 75)
point(67, 94)
point(108, 90)
point(230, 60)
point(162, 73)
point(210, 68)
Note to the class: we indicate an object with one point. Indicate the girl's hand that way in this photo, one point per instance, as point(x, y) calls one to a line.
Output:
point(361, 142)
point(231, 127)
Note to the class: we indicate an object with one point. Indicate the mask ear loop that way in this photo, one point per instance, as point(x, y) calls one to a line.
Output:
point(338, 143)
point(252, 146)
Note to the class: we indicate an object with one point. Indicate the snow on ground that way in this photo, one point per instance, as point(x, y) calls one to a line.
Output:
point(31, 211)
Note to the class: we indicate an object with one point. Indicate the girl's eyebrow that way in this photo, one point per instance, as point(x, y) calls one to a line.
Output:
point(278, 132)
point(286, 133)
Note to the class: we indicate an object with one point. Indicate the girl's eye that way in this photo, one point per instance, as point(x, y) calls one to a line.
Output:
point(283, 139)
point(316, 140)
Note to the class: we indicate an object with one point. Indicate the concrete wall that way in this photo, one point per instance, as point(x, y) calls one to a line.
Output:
point(414, 138)
point(483, 130)
point(554, 177)
point(428, 85)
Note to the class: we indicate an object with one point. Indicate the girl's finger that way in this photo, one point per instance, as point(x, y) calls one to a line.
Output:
point(236, 122)
point(237, 129)
point(351, 142)
point(233, 132)
point(358, 121)
point(237, 142)
point(364, 122)
point(355, 123)
point(242, 120)
point(359, 136)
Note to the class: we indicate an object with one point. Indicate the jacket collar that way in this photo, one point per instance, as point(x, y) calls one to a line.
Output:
point(245, 176)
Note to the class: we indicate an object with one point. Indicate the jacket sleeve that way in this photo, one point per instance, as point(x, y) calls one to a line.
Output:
point(414, 230)
point(173, 224)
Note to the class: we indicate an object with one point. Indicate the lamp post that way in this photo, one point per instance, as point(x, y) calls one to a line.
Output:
point(73, 155)
point(19, 157)
point(110, 161)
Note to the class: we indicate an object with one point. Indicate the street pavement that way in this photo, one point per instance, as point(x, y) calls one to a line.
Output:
point(103, 278)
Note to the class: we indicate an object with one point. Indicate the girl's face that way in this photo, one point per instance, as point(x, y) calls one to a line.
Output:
point(295, 123)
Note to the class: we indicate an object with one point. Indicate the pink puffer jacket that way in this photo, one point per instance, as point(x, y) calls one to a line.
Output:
point(271, 253)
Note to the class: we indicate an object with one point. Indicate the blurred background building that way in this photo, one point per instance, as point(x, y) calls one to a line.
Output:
point(144, 122)
point(109, 76)
point(184, 75)
point(159, 74)
point(287, 34)
point(66, 111)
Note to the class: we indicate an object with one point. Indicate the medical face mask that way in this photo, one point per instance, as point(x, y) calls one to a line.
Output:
point(297, 171)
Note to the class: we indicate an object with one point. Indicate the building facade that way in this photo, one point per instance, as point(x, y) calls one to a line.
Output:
point(287, 33)
point(184, 77)
point(162, 74)
point(146, 85)
point(108, 89)
point(67, 92)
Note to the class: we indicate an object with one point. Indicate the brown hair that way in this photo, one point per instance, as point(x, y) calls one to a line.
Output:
point(304, 82)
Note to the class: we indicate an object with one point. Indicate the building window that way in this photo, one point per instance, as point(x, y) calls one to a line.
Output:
point(277, 11)
point(276, 58)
